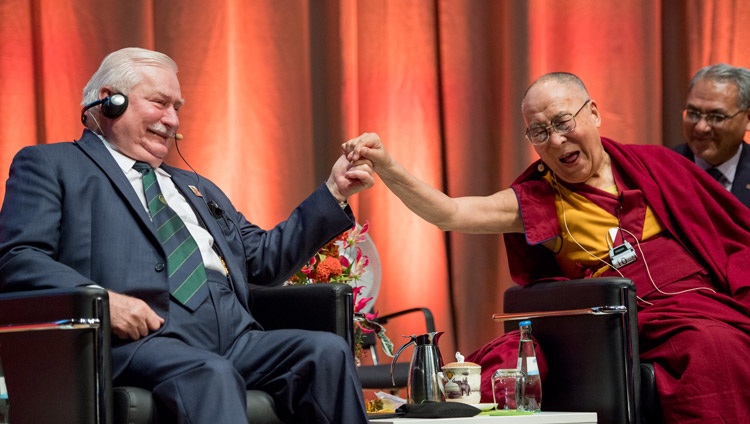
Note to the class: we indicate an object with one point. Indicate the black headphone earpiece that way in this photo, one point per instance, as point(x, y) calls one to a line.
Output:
point(111, 106)
point(114, 105)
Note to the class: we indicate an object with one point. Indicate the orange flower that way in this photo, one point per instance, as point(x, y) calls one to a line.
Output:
point(329, 268)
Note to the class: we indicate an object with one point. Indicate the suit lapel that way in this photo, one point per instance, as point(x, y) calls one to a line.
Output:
point(93, 147)
point(741, 184)
point(192, 193)
point(190, 188)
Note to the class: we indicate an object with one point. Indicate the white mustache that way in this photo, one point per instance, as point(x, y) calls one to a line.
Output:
point(162, 129)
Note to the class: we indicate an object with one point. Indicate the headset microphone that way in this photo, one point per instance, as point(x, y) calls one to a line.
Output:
point(178, 136)
point(111, 106)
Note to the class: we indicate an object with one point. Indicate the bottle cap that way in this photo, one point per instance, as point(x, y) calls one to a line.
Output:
point(522, 323)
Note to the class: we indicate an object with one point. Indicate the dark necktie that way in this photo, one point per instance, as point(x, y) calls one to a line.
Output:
point(187, 274)
point(718, 176)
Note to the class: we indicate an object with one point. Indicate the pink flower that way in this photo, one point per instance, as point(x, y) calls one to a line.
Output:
point(309, 268)
point(361, 303)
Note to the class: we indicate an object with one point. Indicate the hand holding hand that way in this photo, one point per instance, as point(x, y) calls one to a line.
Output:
point(351, 176)
point(368, 146)
point(131, 318)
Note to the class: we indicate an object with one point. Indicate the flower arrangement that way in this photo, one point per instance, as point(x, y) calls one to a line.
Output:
point(333, 264)
point(341, 261)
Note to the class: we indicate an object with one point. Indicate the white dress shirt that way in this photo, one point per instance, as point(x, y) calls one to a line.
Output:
point(176, 201)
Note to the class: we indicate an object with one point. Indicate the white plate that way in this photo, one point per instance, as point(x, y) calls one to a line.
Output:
point(484, 406)
point(370, 279)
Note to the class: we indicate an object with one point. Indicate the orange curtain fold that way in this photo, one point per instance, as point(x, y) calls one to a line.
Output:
point(273, 87)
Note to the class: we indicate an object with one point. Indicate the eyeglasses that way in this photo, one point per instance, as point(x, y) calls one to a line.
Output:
point(563, 124)
point(694, 116)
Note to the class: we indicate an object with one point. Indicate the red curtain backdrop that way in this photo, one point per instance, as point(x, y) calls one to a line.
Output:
point(273, 87)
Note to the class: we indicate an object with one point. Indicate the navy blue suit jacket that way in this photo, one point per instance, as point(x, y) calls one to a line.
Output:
point(741, 183)
point(71, 218)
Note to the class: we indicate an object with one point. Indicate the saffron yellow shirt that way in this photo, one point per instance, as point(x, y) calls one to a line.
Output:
point(584, 228)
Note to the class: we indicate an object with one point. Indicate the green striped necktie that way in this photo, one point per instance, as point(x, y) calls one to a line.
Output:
point(187, 274)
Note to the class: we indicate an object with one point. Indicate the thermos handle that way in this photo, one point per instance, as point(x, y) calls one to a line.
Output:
point(395, 357)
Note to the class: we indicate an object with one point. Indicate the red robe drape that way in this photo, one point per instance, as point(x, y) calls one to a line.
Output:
point(698, 340)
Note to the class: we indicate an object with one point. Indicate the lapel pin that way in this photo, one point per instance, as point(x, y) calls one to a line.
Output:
point(195, 190)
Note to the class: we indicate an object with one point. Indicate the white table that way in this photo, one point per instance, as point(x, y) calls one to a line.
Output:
point(539, 418)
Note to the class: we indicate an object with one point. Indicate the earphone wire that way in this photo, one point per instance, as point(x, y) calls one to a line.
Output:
point(648, 271)
point(96, 121)
point(565, 223)
point(197, 184)
point(637, 243)
point(197, 175)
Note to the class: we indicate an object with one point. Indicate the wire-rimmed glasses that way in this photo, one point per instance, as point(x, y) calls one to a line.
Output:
point(713, 119)
point(539, 134)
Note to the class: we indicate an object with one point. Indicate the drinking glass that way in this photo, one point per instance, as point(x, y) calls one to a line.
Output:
point(507, 386)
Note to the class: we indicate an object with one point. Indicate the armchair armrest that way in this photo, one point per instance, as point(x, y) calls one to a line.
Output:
point(568, 294)
point(587, 330)
point(67, 365)
point(319, 307)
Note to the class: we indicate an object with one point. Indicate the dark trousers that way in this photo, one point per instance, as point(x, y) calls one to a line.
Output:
point(201, 363)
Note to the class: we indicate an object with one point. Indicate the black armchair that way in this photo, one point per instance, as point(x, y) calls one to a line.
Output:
point(54, 348)
point(588, 331)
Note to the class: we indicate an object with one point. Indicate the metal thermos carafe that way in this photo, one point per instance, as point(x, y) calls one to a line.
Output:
point(425, 368)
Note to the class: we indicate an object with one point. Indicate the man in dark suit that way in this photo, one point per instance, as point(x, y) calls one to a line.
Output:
point(76, 214)
point(714, 121)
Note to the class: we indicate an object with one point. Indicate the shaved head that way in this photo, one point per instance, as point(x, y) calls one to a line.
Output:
point(565, 79)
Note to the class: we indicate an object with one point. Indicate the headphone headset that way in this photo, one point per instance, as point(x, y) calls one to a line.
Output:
point(111, 106)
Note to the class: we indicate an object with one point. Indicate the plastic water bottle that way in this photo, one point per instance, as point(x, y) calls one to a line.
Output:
point(4, 408)
point(4, 402)
point(531, 392)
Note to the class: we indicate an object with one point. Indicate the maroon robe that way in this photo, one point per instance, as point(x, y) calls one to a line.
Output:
point(698, 340)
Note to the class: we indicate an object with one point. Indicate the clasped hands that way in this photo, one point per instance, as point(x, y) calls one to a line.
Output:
point(352, 174)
